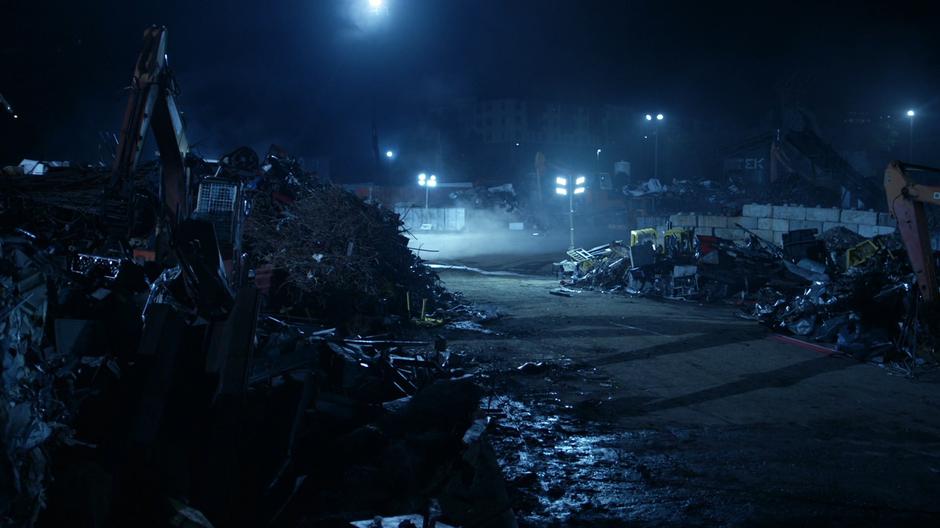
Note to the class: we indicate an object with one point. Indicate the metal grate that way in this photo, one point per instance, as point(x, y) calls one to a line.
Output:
point(216, 198)
point(579, 255)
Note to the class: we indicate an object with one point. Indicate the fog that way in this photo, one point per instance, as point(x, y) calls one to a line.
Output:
point(488, 234)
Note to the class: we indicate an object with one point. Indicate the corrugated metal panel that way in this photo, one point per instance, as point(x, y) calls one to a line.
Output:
point(444, 219)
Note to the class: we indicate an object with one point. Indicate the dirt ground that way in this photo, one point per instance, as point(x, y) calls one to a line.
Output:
point(638, 412)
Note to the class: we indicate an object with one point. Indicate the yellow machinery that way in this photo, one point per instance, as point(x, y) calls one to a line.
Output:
point(675, 240)
point(638, 236)
point(679, 241)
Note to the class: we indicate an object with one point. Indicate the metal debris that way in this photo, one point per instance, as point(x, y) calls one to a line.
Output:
point(838, 288)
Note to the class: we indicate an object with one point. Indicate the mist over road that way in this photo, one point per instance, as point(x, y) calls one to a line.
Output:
point(460, 246)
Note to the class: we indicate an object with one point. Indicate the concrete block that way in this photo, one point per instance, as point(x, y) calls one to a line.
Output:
point(650, 221)
point(757, 210)
point(706, 231)
point(733, 233)
point(683, 220)
point(822, 214)
point(726, 233)
point(851, 216)
point(778, 238)
point(806, 224)
point(829, 225)
point(744, 221)
point(883, 230)
point(713, 221)
point(885, 219)
point(788, 212)
point(773, 224)
point(765, 234)
point(867, 231)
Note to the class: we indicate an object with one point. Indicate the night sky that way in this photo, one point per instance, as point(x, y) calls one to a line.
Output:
point(304, 73)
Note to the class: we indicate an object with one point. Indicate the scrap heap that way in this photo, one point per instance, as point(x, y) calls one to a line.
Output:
point(161, 391)
point(683, 265)
point(862, 300)
point(191, 342)
point(328, 255)
point(111, 357)
point(838, 289)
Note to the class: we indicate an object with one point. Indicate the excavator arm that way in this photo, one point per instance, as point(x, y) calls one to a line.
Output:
point(906, 201)
point(152, 104)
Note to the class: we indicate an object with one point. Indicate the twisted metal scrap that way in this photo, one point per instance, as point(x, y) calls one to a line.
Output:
point(338, 250)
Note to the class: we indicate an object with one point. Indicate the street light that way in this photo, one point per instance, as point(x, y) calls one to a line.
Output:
point(564, 187)
point(389, 154)
point(427, 182)
point(370, 16)
point(910, 142)
point(659, 118)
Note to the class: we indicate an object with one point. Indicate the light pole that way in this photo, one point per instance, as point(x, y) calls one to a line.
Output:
point(910, 141)
point(567, 187)
point(427, 182)
point(377, 6)
point(659, 118)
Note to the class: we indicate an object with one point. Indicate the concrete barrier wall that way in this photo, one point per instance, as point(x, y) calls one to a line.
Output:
point(772, 221)
point(434, 219)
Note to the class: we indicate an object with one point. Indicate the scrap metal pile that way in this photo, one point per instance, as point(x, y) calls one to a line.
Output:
point(328, 255)
point(502, 198)
point(838, 289)
point(136, 393)
point(681, 265)
point(729, 195)
point(194, 342)
point(861, 300)
point(710, 195)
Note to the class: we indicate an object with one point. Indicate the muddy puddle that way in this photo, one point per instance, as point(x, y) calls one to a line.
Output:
point(566, 470)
